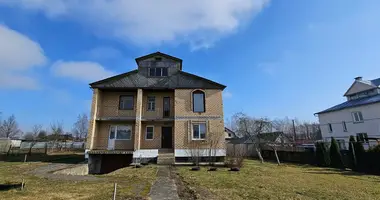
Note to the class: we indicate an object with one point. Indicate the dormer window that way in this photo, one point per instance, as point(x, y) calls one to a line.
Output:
point(158, 71)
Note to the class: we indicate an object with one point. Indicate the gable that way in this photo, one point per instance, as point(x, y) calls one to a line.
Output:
point(358, 86)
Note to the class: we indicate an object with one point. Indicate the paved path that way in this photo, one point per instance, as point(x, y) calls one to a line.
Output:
point(164, 187)
point(47, 172)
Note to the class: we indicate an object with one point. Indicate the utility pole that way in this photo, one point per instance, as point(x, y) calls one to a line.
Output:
point(294, 131)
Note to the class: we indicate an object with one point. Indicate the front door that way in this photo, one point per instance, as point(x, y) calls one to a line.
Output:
point(167, 138)
point(111, 138)
point(166, 107)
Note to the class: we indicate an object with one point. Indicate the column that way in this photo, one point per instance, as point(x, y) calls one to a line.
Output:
point(139, 102)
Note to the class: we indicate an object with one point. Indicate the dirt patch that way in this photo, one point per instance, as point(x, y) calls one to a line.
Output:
point(184, 190)
point(80, 170)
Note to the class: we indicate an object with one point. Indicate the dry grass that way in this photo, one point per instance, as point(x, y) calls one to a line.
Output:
point(269, 181)
point(132, 183)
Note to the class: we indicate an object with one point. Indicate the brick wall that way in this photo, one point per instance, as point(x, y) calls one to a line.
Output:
point(213, 117)
point(110, 105)
point(156, 142)
point(159, 96)
point(101, 138)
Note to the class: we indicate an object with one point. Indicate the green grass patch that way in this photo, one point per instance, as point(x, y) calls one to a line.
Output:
point(269, 181)
point(132, 183)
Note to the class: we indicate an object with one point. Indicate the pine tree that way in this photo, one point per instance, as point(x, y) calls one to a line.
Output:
point(359, 153)
point(352, 152)
point(321, 154)
point(336, 160)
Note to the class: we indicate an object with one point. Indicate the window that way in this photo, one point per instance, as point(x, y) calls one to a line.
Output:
point(361, 137)
point(344, 126)
point(342, 144)
point(121, 132)
point(330, 128)
point(126, 103)
point(199, 131)
point(158, 71)
point(149, 132)
point(198, 101)
point(357, 117)
point(151, 104)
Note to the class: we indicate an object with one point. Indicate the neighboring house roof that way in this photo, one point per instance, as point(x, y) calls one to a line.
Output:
point(133, 79)
point(230, 132)
point(369, 84)
point(353, 103)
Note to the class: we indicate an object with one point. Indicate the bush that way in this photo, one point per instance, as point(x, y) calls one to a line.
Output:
point(359, 154)
point(352, 152)
point(336, 160)
point(375, 149)
point(321, 154)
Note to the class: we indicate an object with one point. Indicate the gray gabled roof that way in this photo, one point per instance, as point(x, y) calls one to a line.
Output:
point(353, 103)
point(180, 79)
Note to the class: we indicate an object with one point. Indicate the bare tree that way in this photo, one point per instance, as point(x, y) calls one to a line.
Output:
point(251, 129)
point(36, 129)
point(56, 132)
point(194, 152)
point(213, 141)
point(9, 127)
point(80, 128)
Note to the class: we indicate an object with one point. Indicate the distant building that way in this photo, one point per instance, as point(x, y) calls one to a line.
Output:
point(358, 116)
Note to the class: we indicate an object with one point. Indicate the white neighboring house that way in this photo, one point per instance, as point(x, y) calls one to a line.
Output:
point(358, 116)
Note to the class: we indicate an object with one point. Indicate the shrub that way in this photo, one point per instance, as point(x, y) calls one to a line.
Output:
point(321, 154)
point(375, 149)
point(359, 153)
point(336, 160)
point(352, 152)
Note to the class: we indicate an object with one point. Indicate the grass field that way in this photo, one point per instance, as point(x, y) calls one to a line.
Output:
point(133, 183)
point(269, 181)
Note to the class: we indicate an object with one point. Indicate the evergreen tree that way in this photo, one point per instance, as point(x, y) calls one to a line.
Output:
point(336, 160)
point(352, 154)
point(321, 154)
point(359, 153)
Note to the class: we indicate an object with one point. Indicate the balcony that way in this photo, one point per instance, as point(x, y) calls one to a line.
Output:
point(158, 114)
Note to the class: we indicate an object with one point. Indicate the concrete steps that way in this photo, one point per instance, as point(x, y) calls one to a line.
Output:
point(165, 159)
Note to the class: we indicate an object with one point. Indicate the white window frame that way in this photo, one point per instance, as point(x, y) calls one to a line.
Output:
point(359, 116)
point(116, 127)
point(151, 104)
point(344, 126)
point(329, 126)
point(146, 132)
point(199, 129)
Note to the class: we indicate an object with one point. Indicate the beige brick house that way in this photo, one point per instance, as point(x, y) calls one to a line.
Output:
point(156, 111)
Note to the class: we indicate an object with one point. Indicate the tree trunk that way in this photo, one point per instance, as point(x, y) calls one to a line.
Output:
point(275, 153)
point(259, 154)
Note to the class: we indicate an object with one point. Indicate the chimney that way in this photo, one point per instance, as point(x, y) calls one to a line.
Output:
point(359, 78)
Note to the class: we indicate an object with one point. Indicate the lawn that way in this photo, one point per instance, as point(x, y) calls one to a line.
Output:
point(132, 183)
point(269, 181)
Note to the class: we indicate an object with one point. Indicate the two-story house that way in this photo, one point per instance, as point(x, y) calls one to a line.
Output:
point(157, 109)
point(358, 116)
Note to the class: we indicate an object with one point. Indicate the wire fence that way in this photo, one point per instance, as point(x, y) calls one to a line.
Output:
point(17, 146)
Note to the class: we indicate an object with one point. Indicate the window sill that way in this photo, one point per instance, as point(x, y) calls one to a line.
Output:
point(127, 109)
point(358, 122)
point(149, 139)
point(198, 139)
point(122, 139)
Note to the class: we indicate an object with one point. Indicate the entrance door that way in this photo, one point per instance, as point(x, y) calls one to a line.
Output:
point(166, 138)
point(166, 107)
point(111, 138)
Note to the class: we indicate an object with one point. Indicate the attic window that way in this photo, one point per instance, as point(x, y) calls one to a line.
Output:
point(158, 71)
point(158, 58)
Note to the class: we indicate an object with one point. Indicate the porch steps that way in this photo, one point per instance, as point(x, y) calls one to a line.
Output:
point(165, 159)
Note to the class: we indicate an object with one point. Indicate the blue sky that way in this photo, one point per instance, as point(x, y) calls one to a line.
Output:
point(278, 58)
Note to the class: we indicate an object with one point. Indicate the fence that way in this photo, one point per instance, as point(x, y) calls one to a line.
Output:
point(39, 147)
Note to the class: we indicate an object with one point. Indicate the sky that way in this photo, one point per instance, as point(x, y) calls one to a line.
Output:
point(278, 58)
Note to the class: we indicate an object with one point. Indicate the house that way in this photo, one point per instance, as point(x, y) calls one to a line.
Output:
point(358, 116)
point(264, 138)
point(229, 134)
point(157, 112)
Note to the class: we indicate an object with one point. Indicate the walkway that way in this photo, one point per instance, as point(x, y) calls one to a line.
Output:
point(164, 187)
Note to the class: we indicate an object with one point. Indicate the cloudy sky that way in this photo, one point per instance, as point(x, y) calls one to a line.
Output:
point(278, 58)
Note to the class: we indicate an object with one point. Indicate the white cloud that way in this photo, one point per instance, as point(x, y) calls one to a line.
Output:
point(18, 54)
point(227, 94)
point(198, 22)
point(17, 81)
point(84, 70)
